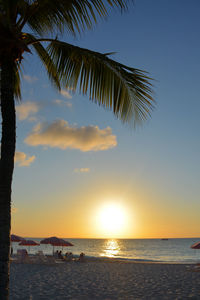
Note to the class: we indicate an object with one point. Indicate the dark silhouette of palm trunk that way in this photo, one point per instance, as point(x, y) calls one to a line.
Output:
point(6, 169)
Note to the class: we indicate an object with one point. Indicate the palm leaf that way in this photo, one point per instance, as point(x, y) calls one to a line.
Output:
point(76, 15)
point(124, 90)
point(45, 58)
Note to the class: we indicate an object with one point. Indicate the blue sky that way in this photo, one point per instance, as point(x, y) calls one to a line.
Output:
point(154, 169)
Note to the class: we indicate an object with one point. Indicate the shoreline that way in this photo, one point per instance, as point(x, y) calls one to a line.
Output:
point(132, 260)
point(172, 251)
point(107, 259)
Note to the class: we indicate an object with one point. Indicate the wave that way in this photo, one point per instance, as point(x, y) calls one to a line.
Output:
point(136, 260)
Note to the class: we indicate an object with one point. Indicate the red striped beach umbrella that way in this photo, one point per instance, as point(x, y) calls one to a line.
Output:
point(28, 243)
point(196, 246)
point(54, 241)
point(16, 238)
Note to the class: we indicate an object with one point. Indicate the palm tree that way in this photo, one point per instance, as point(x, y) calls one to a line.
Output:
point(28, 25)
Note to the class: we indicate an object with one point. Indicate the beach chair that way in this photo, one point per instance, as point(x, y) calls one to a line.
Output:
point(59, 261)
point(194, 268)
point(22, 256)
point(50, 259)
point(40, 257)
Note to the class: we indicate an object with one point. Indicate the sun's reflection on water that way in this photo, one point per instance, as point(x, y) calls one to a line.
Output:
point(111, 248)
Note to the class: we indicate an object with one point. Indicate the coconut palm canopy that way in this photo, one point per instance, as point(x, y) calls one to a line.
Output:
point(32, 26)
point(124, 90)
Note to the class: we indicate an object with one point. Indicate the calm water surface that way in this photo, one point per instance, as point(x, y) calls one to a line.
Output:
point(174, 250)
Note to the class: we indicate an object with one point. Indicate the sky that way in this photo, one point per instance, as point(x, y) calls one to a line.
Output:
point(80, 172)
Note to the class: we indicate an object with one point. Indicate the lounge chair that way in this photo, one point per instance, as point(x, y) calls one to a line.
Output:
point(40, 257)
point(59, 261)
point(22, 256)
point(50, 259)
point(194, 268)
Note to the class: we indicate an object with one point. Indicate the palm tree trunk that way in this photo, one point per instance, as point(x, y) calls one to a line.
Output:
point(6, 169)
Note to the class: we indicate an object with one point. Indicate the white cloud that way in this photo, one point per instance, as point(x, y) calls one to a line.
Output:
point(62, 103)
point(26, 109)
point(61, 135)
point(82, 170)
point(65, 93)
point(23, 160)
point(30, 79)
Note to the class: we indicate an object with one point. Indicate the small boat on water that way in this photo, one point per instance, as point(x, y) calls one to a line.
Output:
point(164, 239)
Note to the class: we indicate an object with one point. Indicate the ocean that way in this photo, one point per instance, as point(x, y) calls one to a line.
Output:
point(171, 250)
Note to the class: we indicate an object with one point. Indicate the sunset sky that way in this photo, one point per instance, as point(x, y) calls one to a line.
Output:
point(76, 163)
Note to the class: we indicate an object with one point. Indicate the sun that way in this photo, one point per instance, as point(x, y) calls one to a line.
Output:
point(112, 219)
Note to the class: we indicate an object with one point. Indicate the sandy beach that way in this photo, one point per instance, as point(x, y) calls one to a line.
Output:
point(104, 280)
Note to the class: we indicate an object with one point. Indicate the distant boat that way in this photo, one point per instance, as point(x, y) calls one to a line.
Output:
point(164, 239)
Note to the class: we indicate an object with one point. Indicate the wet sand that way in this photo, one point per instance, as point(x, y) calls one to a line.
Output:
point(103, 281)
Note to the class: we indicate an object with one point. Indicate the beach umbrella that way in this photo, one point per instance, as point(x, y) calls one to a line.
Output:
point(28, 243)
point(16, 238)
point(196, 246)
point(54, 241)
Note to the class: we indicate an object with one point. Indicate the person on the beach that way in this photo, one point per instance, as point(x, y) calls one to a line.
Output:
point(60, 255)
point(81, 257)
point(68, 256)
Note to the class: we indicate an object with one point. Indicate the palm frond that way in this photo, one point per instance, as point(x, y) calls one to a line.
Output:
point(45, 58)
point(124, 90)
point(76, 15)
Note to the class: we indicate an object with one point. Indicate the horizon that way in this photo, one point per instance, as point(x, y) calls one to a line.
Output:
point(78, 238)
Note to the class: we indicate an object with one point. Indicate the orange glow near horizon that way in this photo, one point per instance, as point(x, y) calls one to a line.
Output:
point(114, 213)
